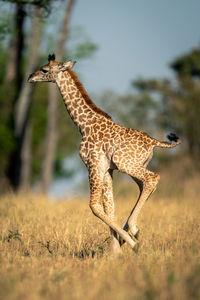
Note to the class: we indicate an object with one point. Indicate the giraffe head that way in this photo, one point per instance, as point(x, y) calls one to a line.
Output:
point(50, 71)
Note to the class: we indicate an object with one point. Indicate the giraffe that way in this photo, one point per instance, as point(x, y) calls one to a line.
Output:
point(106, 146)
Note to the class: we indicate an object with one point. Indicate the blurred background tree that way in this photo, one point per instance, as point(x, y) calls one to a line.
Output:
point(21, 151)
point(179, 100)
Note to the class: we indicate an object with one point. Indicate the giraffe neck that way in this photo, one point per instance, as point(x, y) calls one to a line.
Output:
point(80, 107)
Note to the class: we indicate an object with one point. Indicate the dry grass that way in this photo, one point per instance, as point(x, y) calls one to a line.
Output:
point(58, 251)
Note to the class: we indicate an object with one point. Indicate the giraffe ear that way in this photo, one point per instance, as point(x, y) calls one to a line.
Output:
point(67, 65)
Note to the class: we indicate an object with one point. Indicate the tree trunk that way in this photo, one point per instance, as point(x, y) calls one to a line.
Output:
point(50, 139)
point(13, 70)
point(23, 104)
point(51, 130)
point(13, 76)
point(25, 182)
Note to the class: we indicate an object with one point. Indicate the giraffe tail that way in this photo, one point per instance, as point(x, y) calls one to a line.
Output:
point(173, 141)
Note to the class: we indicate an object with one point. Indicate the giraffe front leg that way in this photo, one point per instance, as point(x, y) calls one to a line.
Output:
point(96, 188)
point(108, 205)
point(133, 231)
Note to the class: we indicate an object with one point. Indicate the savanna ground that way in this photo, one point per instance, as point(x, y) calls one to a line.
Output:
point(59, 250)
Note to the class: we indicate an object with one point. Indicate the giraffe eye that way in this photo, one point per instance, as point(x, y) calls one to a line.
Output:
point(44, 71)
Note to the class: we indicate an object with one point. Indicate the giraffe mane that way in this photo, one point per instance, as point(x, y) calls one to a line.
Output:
point(85, 95)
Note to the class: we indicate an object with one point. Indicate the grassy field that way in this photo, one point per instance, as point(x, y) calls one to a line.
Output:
point(60, 250)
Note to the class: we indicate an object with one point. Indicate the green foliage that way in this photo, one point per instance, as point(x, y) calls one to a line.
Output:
point(188, 64)
point(3, 62)
point(13, 235)
point(6, 131)
point(7, 144)
point(4, 28)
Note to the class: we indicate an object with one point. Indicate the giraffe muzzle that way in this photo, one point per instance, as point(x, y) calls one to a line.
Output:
point(30, 79)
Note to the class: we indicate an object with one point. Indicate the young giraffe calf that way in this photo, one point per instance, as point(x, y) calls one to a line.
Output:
point(105, 146)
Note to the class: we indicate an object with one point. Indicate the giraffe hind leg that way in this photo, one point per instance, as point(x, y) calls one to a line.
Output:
point(145, 179)
point(147, 187)
point(134, 233)
point(146, 190)
point(148, 160)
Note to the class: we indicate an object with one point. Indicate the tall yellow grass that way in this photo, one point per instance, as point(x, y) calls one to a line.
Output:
point(60, 250)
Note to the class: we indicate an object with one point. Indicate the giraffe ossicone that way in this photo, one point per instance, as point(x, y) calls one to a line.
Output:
point(105, 147)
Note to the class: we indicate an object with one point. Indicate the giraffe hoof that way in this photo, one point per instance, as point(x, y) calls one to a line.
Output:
point(136, 248)
point(134, 237)
point(134, 230)
point(121, 241)
point(137, 234)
